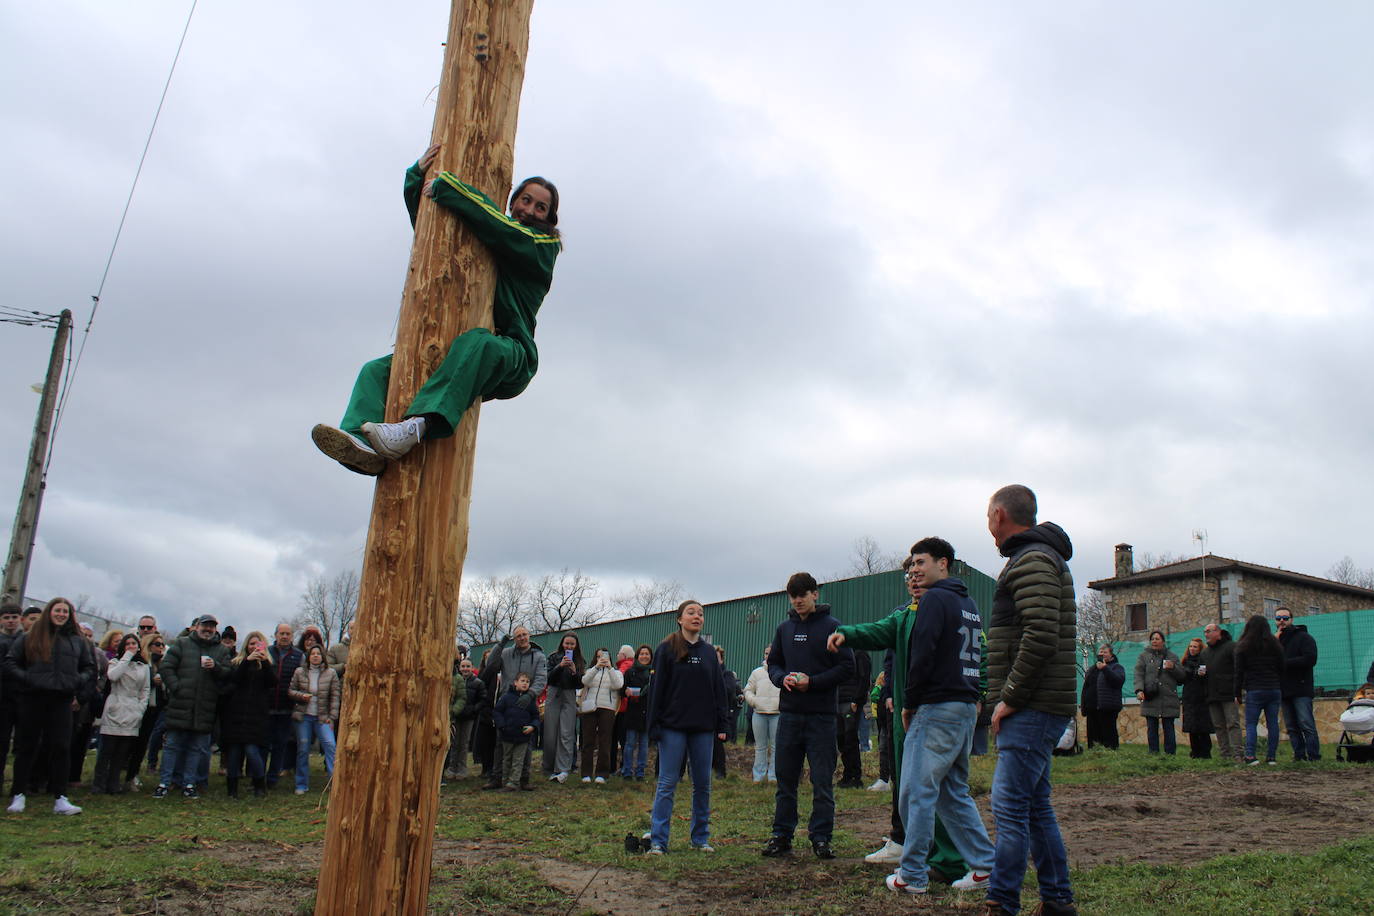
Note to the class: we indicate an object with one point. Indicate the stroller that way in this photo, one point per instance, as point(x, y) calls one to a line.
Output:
point(1358, 719)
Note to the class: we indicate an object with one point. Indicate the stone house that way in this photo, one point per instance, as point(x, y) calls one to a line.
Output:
point(1193, 593)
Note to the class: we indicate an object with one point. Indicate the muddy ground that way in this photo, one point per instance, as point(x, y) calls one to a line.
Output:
point(1151, 820)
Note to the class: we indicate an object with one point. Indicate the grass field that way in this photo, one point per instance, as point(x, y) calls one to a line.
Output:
point(1142, 832)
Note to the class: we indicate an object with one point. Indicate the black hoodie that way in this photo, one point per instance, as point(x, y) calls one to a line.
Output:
point(944, 652)
point(799, 645)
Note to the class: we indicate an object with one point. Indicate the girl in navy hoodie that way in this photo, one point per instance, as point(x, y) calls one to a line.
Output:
point(686, 716)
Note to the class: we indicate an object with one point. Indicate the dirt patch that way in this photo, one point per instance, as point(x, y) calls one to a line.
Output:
point(1186, 817)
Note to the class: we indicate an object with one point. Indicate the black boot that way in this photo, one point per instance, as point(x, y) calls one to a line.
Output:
point(259, 787)
point(233, 783)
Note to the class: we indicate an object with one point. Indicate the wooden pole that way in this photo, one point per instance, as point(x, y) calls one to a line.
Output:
point(31, 494)
point(385, 796)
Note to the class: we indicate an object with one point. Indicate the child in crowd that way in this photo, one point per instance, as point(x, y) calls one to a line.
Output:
point(516, 722)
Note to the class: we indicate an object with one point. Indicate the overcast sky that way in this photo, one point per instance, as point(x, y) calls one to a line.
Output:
point(830, 271)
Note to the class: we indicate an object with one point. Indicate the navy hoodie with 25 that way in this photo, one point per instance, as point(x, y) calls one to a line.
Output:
point(945, 650)
point(799, 645)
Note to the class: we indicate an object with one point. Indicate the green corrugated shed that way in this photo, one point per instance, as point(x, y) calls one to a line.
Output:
point(1345, 649)
point(744, 626)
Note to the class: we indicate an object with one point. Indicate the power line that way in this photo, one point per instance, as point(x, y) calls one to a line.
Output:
point(75, 361)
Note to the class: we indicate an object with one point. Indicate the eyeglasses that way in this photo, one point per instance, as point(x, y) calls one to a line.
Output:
point(146, 626)
point(1283, 617)
point(158, 645)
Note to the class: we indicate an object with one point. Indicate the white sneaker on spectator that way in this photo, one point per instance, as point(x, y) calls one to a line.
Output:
point(889, 854)
point(17, 805)
point(554, 777)
point(973, 881)
point(656, 850)
point(703, 847)
point(895, 882)
point(880, 785)
point(561, 777)
point(600, 780)
point(62, 806)
point(586, 779)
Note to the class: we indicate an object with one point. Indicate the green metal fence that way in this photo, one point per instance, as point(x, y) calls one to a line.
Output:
point(1345, 649)
point(744, 626)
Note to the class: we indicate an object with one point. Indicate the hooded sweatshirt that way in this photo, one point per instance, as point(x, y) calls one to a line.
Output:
point(945, 652)
point(799, 645)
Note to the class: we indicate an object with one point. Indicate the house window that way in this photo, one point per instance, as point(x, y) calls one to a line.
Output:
point(1314, 609)
point(1136, 617)
point(1270, 606)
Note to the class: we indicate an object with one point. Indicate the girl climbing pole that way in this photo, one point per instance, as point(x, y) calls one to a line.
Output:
point(480, 363)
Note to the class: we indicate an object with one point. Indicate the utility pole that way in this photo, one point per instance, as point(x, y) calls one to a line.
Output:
point(31, 496)
point(394, 731)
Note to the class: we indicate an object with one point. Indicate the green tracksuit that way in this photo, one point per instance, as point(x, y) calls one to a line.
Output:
point(894, 632)
point(479, 363)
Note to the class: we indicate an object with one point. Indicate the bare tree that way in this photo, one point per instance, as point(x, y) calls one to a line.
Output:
point(560, 601)
point(1096, 626)
point(867, 557)
point(645, 598)
point(1346, 571)
point(330, 604)
point(491, 608)
point(1149, 560)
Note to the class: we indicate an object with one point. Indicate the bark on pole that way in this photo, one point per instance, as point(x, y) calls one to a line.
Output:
point(394, 731)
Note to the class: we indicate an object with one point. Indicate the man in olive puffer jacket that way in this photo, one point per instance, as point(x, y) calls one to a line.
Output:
point(1031, 679)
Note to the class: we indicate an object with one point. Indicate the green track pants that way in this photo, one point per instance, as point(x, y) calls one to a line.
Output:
point(479, 364)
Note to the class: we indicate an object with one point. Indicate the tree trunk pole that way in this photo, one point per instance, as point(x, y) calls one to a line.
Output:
point(395, 730)
point(31, 494)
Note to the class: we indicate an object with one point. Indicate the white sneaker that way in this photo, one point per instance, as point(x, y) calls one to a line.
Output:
point(554, 777)
point(17, 805)
point(347, 449)
point(587, 779)
point(889, 854)
point(561, 777)
point(880, 786)
point(894, 882)
point(973, 881)
point(394, 440)
point(302, 791)
point(62, 806)
point(600, 780)
point(703, 847)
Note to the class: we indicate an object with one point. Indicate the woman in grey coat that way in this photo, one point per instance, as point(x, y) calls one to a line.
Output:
point(1158, 675)
point(566, 667)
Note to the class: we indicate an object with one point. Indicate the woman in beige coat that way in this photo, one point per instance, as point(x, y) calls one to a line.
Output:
point(315, 688)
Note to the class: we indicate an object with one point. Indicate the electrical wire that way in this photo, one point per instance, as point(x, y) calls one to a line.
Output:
point(75, 361)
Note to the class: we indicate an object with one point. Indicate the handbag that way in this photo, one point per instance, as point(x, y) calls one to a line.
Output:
point(588, 703)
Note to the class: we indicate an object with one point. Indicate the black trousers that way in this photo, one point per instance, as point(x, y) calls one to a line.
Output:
point(847, 743)
point(110, 762)
point(1200, 745)
point(885, 747)
point(44, 719)
point(140, 746)
point(8, 716)
point(1102, 728)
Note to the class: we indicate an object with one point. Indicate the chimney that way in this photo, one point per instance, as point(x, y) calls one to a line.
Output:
point(1125, 560)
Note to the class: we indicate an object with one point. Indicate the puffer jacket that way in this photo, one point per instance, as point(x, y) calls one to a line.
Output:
point(327, 694)
point(760, 692)
point(475, 697)
point(1152, 677)
point(1197, 720)
point(70, 671)
point(636, 678)
point(1034, 628)
point(192, 691)
point(131, 684)
point(1221, 669)
point(603, 686)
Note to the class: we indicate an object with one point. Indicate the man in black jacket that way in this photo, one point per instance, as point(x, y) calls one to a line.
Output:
point(809, 676)
point(1299, 658)
point(9, 629)
point(1218, 669)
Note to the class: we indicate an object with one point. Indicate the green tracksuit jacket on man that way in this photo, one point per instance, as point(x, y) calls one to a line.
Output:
point(894, 632)
point(479, 364)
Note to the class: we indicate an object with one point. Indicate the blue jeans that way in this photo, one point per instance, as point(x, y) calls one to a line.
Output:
point(636, 754)
point(1268, 701)
point(935, 781)
point(183, 753)
point(306, 728)
point(236, 754)
point(1022, 811)
point(809, 737)
point(1302, 728)
point(673, 747)
point(765, 745)
point(1152, 735)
